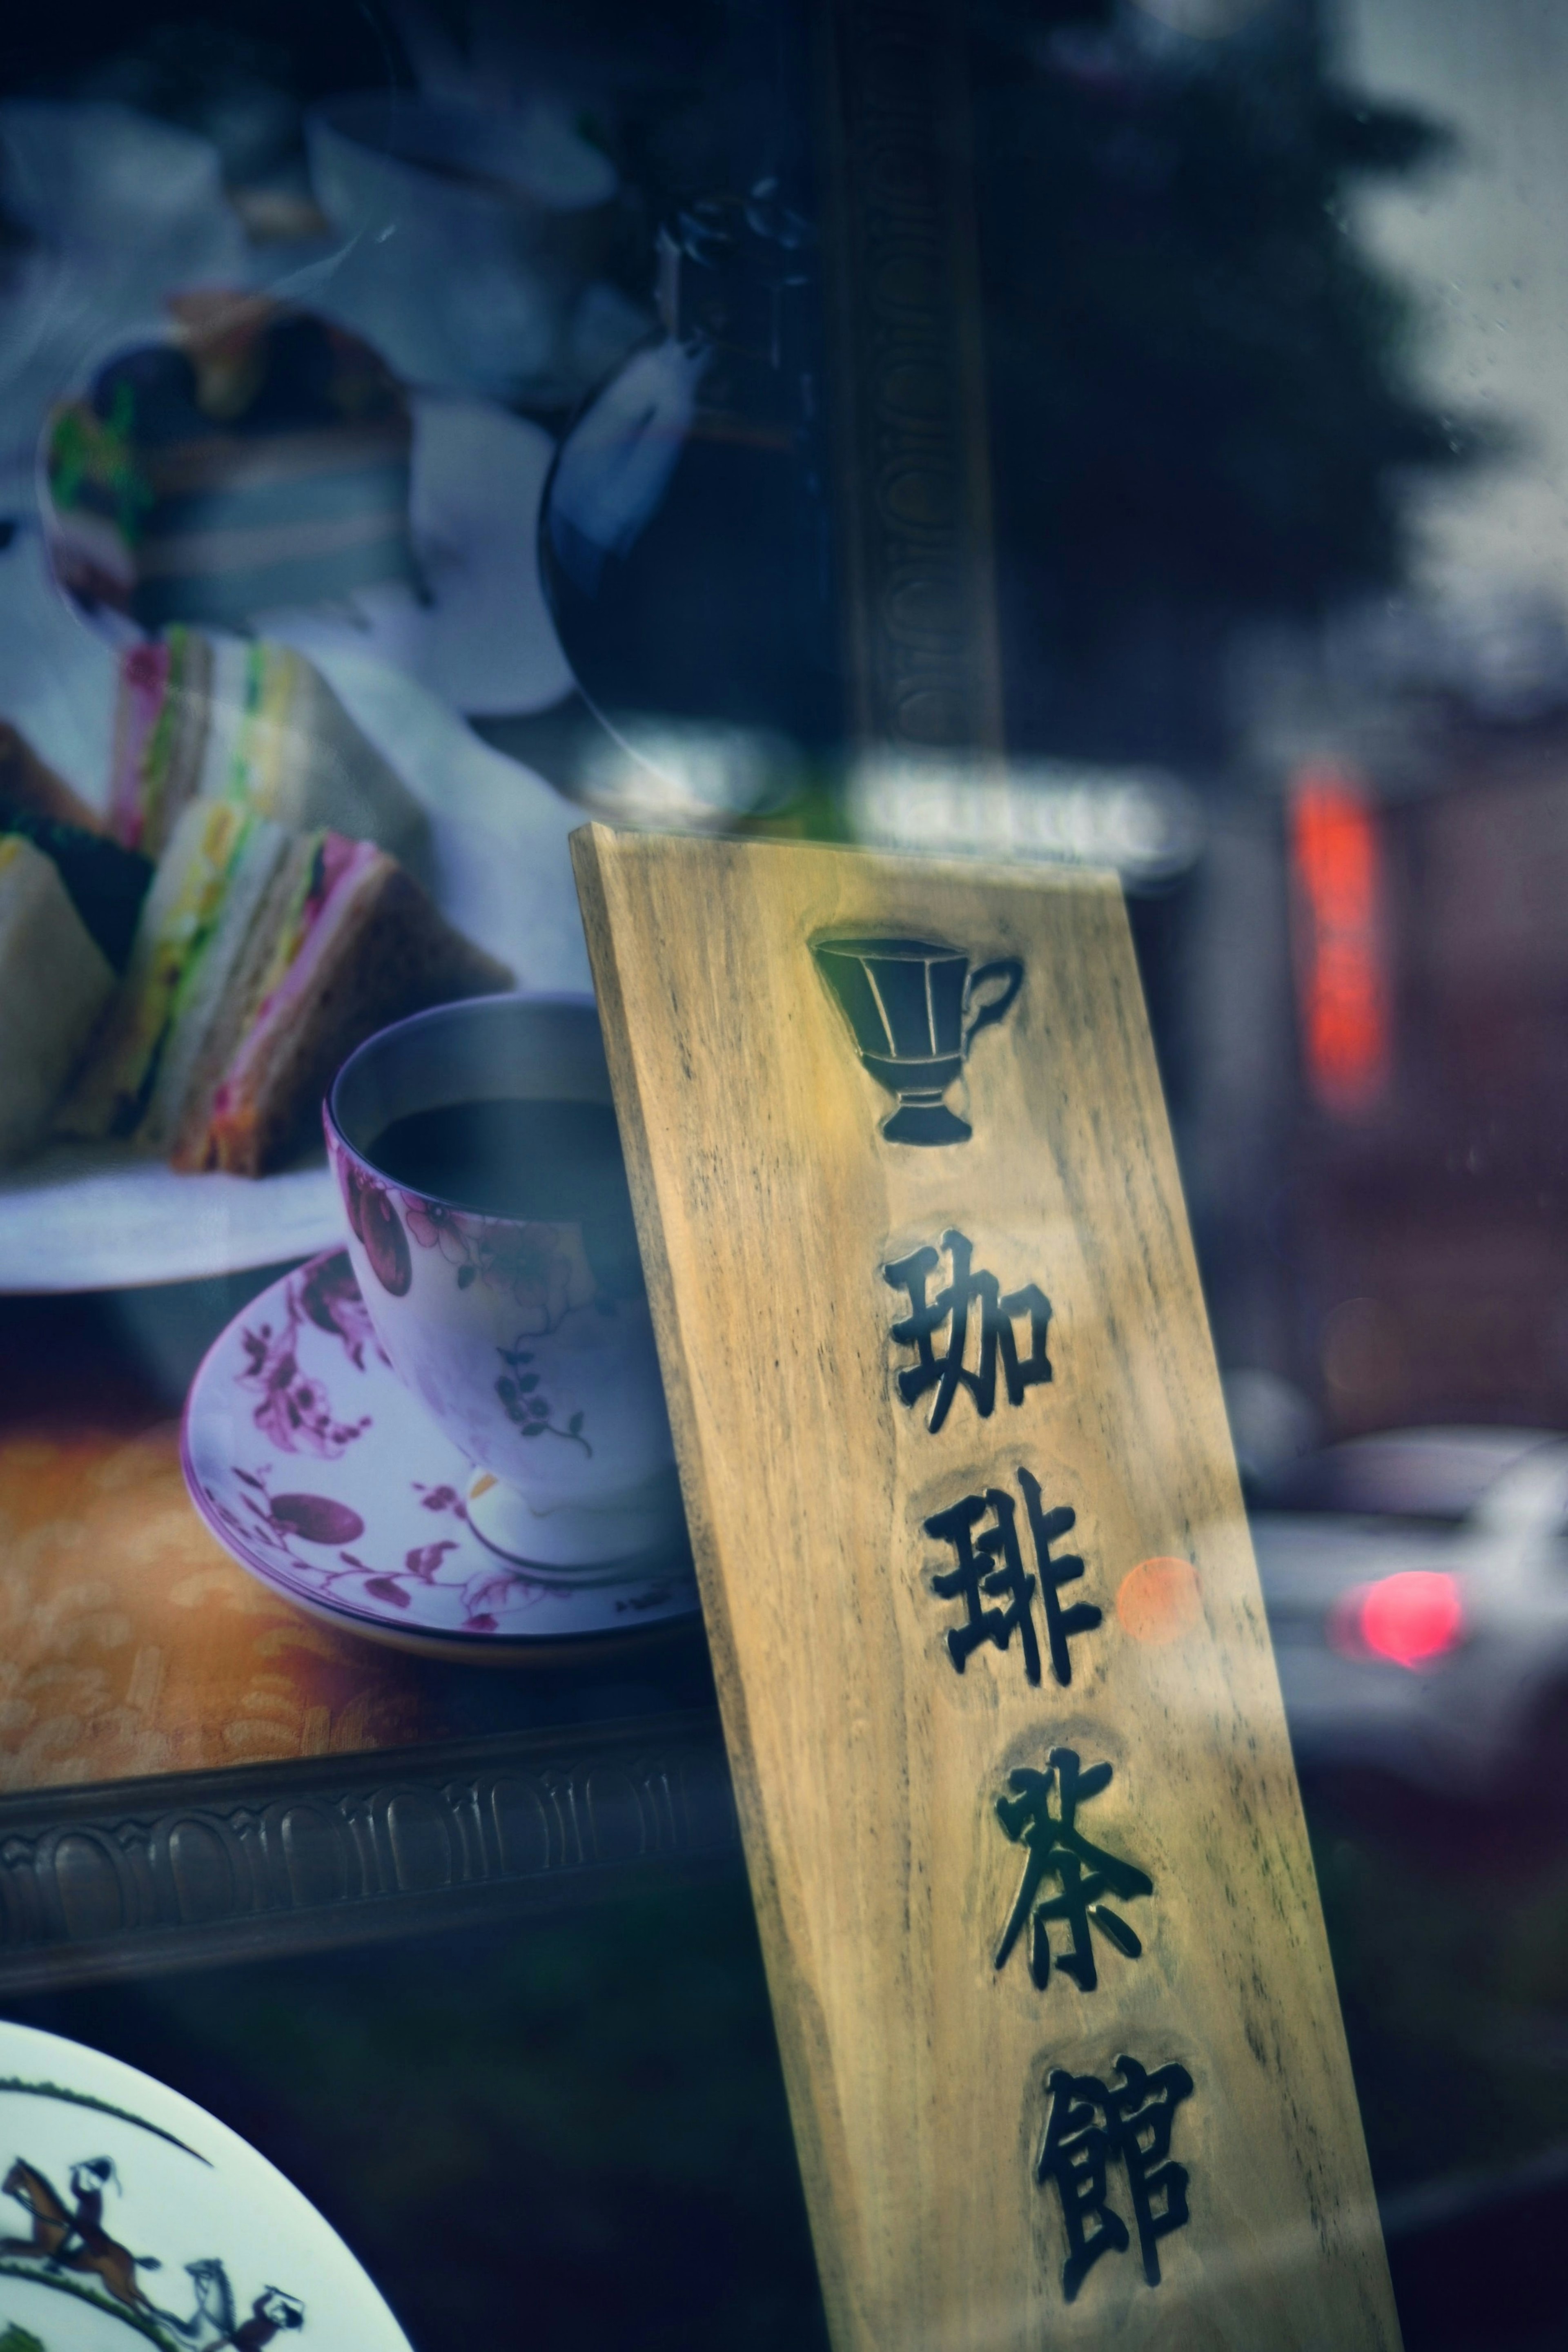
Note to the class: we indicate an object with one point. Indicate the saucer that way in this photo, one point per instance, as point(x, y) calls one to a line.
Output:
point(315, 1467)
point(191, 2237)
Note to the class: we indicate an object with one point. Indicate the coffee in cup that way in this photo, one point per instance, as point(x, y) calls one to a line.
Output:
point(491, 1233)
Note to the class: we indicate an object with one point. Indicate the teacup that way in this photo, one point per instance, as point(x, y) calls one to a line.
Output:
point(914, 1009)
point(543, 1371)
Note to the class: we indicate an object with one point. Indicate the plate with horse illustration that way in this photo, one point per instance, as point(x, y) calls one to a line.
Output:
point(129, 2215)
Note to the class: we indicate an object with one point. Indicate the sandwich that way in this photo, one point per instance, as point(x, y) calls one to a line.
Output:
point(204, 717)
point(105, 883)
point(55, 983)
point(262, 958)
point(256, 456)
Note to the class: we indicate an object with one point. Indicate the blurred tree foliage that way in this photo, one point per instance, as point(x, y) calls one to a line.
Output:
point(1202, 384)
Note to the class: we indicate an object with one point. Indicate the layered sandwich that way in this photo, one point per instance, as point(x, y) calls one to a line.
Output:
point(55, 982)
point(69, 903)
point(199, 717)
point(257, 457)
point(262, 958)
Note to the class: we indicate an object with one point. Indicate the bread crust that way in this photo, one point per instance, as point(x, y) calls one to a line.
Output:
point(26, 783)
point(231, 1019)
point(390, 954)
point(54, 985)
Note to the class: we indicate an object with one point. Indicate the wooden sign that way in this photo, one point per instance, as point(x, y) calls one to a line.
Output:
point(1063, 2047)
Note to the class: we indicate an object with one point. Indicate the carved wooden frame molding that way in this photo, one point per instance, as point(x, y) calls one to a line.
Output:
point(907, 376)
point(196, 1868)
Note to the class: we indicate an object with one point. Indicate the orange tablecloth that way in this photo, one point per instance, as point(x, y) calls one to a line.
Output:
point(130, 1642)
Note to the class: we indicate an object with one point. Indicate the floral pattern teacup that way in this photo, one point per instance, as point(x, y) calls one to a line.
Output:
point(547, 1378)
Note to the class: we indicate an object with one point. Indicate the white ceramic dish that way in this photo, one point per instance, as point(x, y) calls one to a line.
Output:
point(130, 2217)
point(90, 1217)
point(320, 1473)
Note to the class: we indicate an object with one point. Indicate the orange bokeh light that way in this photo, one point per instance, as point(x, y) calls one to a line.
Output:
point(1336, 863)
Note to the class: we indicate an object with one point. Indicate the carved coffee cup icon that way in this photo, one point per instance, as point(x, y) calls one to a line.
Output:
point(914, 1008)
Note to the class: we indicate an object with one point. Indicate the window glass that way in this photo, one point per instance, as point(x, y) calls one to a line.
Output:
point(1040, 433)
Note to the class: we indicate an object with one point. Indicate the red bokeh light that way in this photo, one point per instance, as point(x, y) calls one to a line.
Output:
point(1411, 1619)
point(1336, 858)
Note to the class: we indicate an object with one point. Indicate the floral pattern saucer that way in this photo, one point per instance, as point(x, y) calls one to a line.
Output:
point(316, 1468)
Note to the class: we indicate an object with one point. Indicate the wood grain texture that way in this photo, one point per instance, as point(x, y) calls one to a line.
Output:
point(866, 1768)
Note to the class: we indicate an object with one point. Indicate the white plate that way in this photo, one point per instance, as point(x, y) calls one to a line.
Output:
point(315, 1467)
point(195, 2237)
point(104, 1219)
point(91, 1217)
